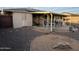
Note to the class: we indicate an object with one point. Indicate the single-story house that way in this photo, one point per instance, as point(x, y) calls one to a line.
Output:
point(71, 18)
point(20, 17)
point(16, 17)
point(40, 17)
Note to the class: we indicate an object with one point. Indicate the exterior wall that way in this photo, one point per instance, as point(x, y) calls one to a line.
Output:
point(75, 19)
point(67, 19)
point(72, 19)
point(22, 19)
point(28, 20)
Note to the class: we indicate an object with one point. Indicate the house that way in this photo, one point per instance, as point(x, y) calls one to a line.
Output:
point(20, 17)
point(40, 17)
point(16, 17)
point(71, 18)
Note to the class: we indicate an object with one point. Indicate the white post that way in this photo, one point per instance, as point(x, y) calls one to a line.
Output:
point(70, 21)
point(51, 22)
point(2, 11)
point(63, 24)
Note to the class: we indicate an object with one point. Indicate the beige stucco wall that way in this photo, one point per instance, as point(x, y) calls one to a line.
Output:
point(72, 19)
point(75, 19)
point(22, 19)
point(28, 21)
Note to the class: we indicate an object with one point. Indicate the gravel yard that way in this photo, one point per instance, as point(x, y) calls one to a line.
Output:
point(17, 39)
point(28, 38)
point(54, 42)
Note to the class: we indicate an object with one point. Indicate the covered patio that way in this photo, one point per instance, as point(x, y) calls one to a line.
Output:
point(47, 20)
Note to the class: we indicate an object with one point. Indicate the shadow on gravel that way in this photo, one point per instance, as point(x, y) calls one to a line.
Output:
point(74, 35)
point(17, 39)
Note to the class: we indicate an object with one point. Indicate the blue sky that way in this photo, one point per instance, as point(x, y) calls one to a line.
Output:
point(60, 9)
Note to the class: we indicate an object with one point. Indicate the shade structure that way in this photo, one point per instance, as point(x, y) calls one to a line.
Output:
point(51, 18)
point(40, 12)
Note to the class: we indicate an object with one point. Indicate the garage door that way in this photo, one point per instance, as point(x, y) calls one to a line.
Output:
point(5, 21)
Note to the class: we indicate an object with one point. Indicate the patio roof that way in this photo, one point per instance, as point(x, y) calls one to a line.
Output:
point(70, 14)
point(20, 10)
point(46, 12)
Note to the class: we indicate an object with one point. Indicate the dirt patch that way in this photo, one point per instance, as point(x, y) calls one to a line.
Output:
point(53, 42)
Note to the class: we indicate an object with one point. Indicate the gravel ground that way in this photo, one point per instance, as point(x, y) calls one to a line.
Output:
point(47, 42)
point(54, 42)
point(21, 38)
point(17, 39)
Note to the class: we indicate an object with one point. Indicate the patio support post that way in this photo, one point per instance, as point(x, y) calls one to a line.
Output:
point(54, 21)
point(63, 24)
point(70, 21)
point(51, 28)
point(2, 11)
point(47, 25)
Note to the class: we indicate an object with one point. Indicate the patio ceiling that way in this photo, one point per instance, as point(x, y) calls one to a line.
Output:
point(46, 12)
point(40, 12)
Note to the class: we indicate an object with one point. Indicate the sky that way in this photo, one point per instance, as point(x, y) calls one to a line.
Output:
point(60, 9)
point(36, 3)
point(48, 5)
